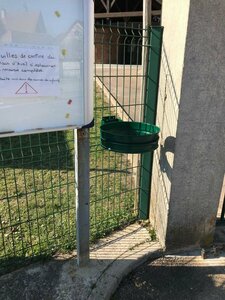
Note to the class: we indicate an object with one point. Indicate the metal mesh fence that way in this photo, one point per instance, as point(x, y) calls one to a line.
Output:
point(36, 196)
point(37, 185)
point(119, 82)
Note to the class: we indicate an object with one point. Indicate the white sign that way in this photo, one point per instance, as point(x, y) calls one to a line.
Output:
point(30, 71)
point(46, 65)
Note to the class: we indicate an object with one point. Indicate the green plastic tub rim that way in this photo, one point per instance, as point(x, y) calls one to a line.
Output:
point(129, 132)
point(128, 137)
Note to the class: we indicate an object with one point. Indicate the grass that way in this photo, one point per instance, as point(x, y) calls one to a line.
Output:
point(37, 192)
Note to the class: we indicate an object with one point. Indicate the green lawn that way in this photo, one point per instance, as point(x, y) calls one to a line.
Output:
point(37, 194)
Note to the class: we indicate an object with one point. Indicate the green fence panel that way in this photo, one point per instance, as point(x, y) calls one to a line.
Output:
point(37, 184)
point(118, 85)
point(150, 107)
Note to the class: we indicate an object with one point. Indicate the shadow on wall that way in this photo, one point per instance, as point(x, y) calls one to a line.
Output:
point(169, 146)
point(167, 119)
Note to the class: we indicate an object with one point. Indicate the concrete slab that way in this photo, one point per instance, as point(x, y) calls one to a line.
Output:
point(111, 259)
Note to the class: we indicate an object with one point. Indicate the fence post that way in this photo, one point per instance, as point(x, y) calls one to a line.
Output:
point(82, 152)
point(150, 106)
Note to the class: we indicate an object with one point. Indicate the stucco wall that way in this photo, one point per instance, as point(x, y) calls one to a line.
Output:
point(174, 20)
point(200, 148)
point(192, 122)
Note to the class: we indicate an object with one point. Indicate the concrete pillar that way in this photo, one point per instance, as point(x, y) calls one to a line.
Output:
point(189, 166)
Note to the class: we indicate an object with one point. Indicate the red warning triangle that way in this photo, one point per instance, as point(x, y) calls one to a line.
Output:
point(26, 89)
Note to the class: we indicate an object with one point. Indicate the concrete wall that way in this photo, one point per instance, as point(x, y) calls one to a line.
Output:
point(187, 184)
point(174, 41)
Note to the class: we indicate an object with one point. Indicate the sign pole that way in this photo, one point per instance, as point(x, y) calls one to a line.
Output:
point(82, 152)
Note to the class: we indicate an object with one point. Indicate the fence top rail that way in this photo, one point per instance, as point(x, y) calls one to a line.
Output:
point(125, 26)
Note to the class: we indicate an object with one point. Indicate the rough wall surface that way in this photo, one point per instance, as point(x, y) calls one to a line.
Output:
point(191, 110)
point(174, 41)
point(200, 143)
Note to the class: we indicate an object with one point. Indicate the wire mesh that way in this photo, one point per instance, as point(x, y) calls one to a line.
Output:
point(119, 87)
point(37, 185)
point(36, 196)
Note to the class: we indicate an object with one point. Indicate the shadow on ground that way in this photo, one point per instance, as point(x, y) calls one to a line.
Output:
point(163, 279)
point(111, 258)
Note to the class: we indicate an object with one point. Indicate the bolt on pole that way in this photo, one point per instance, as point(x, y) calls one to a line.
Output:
point(82, 153)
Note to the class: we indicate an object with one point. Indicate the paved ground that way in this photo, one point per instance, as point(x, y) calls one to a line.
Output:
point(184, 276)
point(179, 276)
point(60, 279)
point(174, 278)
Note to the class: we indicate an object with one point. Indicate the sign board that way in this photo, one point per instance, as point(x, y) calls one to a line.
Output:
point(46, 65)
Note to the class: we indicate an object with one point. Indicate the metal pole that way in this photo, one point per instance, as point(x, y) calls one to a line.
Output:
point(147, 13)
point(82, 152)
point(150, 107)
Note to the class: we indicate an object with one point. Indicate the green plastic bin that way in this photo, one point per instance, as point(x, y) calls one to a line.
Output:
point(128, 137)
